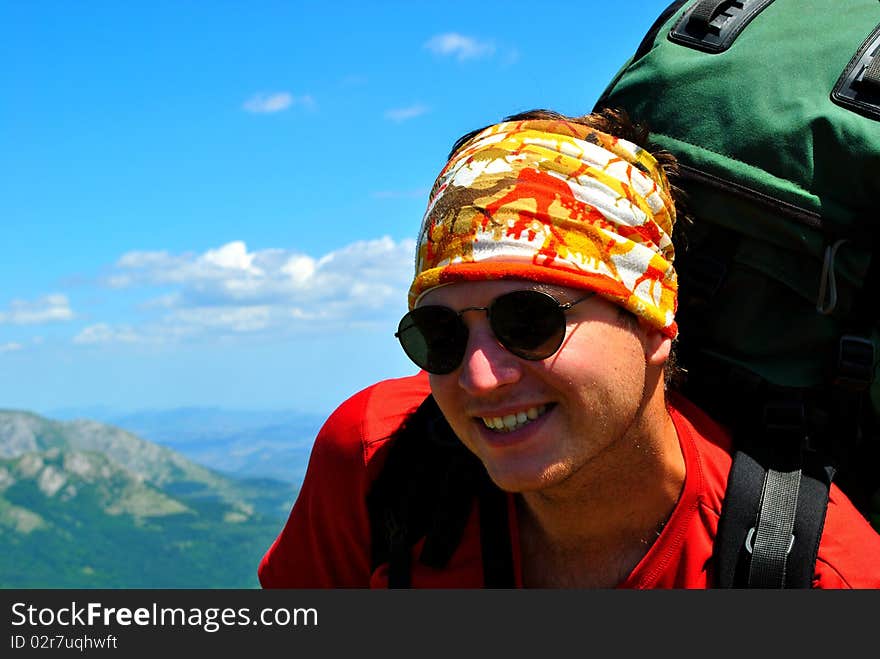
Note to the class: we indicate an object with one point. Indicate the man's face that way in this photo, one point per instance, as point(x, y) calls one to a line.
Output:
point(567, 412)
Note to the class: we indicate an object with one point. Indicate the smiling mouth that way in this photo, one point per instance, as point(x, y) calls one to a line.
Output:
point(511, 422)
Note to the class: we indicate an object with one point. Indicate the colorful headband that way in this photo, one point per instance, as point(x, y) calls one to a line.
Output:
point(553, 202)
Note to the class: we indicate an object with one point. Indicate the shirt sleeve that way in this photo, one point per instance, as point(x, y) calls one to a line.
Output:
point(849, 552)
point(326, 540)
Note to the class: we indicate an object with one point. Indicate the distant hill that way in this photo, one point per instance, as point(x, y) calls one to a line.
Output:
point(242, 443)
point(88, 505)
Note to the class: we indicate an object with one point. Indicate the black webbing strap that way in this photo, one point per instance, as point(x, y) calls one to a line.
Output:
point(771, 524)
point(812, 504)
point(772, 534)
point(705, 10)
point(872, 73)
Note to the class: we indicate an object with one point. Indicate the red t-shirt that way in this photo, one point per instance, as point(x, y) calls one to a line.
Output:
point(326, 541)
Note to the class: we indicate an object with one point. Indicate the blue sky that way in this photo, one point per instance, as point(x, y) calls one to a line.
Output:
point(214, 203)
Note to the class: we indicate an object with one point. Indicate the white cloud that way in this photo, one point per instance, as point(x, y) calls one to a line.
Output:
point(101, 333)
point(236, 319)
point(232, 256)
point(10, 347)
point(460, 46)
point(231, 274)
point(229, 265)
point(299, 268)
point(168, 301)
point(403, 114)
point(229, 290)
point(143, 260)
point(47, 309)
point(263, 103)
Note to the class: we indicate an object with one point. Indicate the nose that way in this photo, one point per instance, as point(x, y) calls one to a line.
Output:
point(486, 365)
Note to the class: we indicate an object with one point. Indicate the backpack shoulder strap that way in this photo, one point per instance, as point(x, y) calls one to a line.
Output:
point(771, 524)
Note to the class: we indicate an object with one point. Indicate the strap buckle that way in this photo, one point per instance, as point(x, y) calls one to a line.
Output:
point(712, 25)
point(750, 542)
point(855, 363)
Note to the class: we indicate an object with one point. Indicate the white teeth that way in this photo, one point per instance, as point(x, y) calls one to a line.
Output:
point(513, 421)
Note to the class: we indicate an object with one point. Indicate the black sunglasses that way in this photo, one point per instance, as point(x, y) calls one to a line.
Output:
point(530, 324)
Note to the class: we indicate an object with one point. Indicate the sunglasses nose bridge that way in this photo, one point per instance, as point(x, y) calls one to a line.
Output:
point(466, 326)
point(474, 327)
point(466, 309)
point(504, 324)
point(486, 364)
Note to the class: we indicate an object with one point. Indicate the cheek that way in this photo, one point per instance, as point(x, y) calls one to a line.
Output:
point(629, 365)
point(439, 385)
point(612, 365)
point(445, 391)
point(448, 396)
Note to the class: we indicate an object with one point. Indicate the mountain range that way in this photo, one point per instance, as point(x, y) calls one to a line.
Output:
point(242, 443)
point(85, 504)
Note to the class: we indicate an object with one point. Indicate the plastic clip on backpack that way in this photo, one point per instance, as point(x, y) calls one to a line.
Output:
point(772, 108)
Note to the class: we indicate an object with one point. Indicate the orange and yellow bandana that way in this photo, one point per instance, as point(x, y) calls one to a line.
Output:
point(553, 202)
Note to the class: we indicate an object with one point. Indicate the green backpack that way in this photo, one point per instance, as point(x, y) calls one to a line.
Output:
point(772, 108)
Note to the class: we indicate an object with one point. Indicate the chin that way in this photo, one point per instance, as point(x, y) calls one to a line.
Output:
point(520, 479)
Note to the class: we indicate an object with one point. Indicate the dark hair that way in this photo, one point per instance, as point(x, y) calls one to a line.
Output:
point(608, 120)
point(617, 122)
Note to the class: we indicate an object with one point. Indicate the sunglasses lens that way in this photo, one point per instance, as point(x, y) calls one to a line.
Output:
point(434, 337)
point(530, 324)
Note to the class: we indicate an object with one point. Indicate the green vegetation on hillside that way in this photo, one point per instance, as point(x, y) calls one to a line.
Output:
point(90, 506)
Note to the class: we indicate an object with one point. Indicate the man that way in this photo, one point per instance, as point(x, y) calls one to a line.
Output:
point(543, 311)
